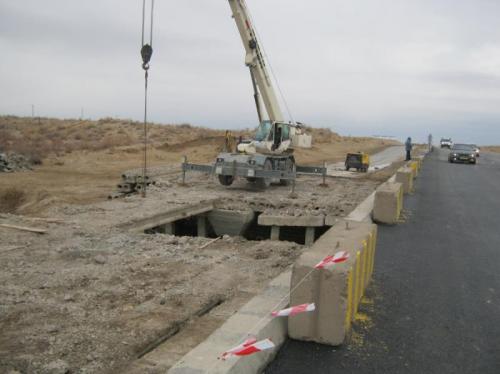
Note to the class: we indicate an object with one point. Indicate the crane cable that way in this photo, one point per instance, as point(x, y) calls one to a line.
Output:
point(146, 53)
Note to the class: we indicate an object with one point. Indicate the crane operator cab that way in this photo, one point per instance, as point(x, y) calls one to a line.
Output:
point(270, 138)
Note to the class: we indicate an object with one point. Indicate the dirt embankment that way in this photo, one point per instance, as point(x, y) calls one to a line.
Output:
point(81, 161)
point(491, 148)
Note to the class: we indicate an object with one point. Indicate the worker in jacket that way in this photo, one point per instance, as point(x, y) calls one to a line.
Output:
point(408, 147)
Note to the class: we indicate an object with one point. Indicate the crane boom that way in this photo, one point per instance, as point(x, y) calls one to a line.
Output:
point(268, 157)
point(254, 59)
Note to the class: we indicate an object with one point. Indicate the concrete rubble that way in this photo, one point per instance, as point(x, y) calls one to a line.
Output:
point(11, 162)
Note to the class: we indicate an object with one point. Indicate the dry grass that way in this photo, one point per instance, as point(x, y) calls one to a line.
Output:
point(491, 148)
point(41, 138)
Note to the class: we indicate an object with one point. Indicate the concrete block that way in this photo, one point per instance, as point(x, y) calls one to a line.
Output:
point(230, 222)
point(405, 177)
point(302, 221)
point(309, 239)
point(167, 228)
point(388, 203)
point(336, 290)
point(255, 314)
point(201, 225)
point(331, 220)
point(275, 233)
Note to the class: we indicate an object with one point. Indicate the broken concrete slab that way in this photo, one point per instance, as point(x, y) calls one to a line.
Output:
point(301, 221)
point(230, 222)
point(388, 203)
point(331, 220)
point(172, 215)
point(335, 290)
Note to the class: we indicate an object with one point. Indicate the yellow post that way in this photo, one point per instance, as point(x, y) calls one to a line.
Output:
point(365, 265)
point(370, 256)
point(348, 313)
point(357, 286)
point(374, 252)
point(400, 203)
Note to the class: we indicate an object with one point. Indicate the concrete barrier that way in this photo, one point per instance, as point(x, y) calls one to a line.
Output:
point(336, 290)
point(388, 203)
point(404, 176)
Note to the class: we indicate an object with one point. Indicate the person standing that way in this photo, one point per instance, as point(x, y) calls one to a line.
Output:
point(408, 147)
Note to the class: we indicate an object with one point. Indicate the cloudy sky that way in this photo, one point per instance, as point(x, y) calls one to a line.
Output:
point(361, 67)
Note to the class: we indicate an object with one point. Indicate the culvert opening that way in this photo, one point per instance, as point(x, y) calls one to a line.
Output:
point(224, 223)
point(255, 231)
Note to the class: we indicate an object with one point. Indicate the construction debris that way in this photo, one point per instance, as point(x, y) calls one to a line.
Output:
point(132, 183)
point(23, 228)
point(10, 162)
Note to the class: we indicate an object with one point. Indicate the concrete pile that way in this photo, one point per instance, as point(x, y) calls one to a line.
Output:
point(10, 162)
point(132, 183)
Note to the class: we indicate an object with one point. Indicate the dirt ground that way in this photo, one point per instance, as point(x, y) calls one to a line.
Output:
point(90, 297)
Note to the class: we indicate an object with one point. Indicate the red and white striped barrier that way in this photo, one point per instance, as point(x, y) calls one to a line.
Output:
point(292, 311)
point(249, 347)
point(338, 258)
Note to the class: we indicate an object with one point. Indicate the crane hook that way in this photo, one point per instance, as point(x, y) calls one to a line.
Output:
point(146, 53)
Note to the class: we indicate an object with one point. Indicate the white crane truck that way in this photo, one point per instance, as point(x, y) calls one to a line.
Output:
point(269, 156)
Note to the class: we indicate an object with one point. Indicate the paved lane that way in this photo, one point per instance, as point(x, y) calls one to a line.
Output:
point(436, 288)
point(378, 161)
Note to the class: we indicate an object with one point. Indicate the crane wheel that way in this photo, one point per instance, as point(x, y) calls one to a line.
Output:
point(226, 180)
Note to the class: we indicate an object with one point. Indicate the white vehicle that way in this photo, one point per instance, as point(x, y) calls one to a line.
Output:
point(446, 143)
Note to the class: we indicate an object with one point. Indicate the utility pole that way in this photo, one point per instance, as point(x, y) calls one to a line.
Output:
point(32, 111)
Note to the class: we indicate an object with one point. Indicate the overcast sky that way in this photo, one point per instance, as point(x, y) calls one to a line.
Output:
point(361, 67)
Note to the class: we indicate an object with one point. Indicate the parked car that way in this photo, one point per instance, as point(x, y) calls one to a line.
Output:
point(446, 143)
point(476, 149)
point(462, 153)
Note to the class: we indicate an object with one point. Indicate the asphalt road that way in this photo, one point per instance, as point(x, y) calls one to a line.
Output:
point(436, 289)
point(378, 161)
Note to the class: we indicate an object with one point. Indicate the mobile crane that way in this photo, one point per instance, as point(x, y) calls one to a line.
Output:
point(269, 156)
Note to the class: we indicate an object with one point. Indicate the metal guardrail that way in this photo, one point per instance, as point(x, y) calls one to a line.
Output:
point(201, 168)
point(247, 171)
point(317, 170)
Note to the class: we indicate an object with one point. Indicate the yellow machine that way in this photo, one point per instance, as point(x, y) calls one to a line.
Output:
point(359, 161)
point(229, 142)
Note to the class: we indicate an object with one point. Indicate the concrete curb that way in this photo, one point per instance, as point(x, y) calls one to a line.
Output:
point(204, 357)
